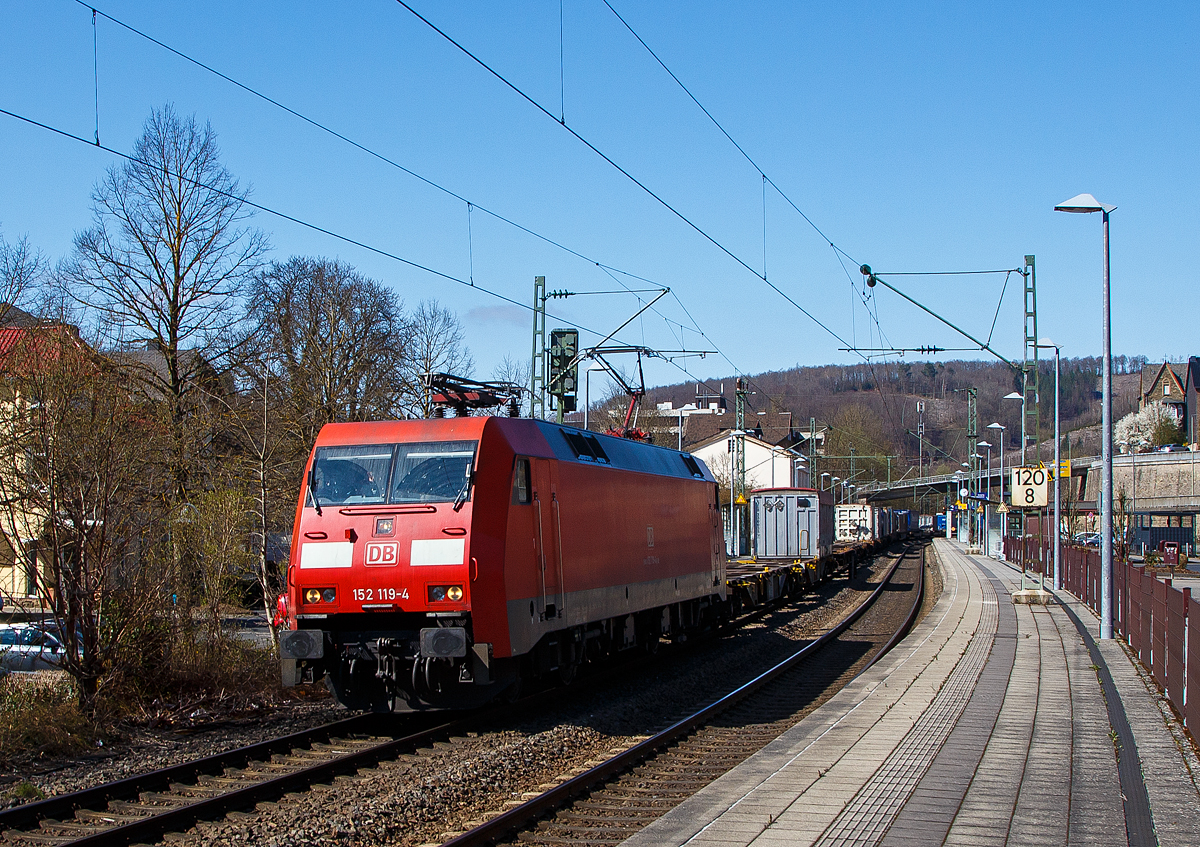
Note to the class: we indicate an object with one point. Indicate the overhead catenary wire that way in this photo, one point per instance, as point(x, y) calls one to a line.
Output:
point(379, 251)
point(471, 205)
point(626, 173)
point(340, 136)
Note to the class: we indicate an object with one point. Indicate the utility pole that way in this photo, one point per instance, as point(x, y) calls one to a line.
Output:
point(920, 439)
point(812, 452)
point(739, 464)
point(1030, 402)
point(537, 363)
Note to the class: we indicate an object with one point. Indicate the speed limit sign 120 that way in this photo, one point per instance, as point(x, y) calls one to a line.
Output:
point(1030, 488)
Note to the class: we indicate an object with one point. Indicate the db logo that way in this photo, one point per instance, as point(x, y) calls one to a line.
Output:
point(382, 553)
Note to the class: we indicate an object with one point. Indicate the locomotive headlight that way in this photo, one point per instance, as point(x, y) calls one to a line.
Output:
point(439, 593)
point(328, 595)
point(312, 596)
point(385, 526)
point(320, 595)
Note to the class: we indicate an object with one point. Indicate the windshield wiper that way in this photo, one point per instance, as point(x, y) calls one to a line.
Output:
point(461, 497)
point(312, 487)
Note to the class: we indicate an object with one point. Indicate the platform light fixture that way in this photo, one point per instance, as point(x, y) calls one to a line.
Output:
point(1085, 204)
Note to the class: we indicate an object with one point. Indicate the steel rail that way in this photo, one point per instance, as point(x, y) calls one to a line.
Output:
point(94, 799)
point(175, 818)
point(504, 825)
point(908, 621)
point(181, 817)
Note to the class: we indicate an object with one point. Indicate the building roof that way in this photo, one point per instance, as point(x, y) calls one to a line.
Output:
point(40, 341)
point(150, 366)
point(1178, 370)
point(772, 426)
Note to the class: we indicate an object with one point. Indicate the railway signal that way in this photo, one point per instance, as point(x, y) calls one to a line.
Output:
point(564, 369)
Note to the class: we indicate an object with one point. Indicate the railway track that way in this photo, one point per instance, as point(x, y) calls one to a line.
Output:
point(144, 808)
point(615, 798)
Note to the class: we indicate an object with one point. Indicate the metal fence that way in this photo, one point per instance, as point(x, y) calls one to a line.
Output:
point(1159, 622)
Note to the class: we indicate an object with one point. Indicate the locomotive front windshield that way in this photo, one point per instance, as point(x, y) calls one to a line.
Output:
point(424, 472)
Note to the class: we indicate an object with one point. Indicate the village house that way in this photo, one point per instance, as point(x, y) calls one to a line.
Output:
point(1176, 386)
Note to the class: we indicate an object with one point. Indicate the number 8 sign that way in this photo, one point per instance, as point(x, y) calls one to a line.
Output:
point(1030, 488)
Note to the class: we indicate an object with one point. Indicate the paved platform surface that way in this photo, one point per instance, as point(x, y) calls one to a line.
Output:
point(990, 724)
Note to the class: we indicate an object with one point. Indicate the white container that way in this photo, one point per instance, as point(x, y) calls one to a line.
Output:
point(855, 522)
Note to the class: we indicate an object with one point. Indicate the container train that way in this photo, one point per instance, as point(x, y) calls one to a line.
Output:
point(863, 522)
point(438, 563)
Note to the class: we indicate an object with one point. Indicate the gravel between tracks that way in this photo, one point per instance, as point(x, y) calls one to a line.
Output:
point(421, 798)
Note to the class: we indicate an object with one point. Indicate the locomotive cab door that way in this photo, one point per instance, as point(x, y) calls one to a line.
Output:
point(548, 535)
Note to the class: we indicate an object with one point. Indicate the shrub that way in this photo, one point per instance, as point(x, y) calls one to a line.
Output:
point(40, 717)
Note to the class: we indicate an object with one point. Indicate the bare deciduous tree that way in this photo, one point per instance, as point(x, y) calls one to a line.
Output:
point(436, 345)
point(515, 371)
point(168, 257)
point(78, 479)
point(334, 340)
point(22, 271)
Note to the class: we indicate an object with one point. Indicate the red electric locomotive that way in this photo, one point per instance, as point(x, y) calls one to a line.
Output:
point(436, 563)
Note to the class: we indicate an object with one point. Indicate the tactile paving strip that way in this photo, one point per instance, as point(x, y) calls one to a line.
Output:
point(869, 814)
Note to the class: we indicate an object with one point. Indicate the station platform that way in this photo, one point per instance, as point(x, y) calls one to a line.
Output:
point(991, 723)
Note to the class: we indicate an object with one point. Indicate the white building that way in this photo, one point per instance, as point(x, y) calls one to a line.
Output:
point(767, 465)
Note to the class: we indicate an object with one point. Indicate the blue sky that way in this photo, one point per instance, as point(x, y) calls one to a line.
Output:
point(917, 137)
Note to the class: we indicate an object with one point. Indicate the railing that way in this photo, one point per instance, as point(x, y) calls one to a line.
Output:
point(1159, 622)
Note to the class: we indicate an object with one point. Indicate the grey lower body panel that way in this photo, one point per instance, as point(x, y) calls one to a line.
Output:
point(527, 623)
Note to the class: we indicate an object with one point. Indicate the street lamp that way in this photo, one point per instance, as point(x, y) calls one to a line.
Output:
point(1016, 395)
point(1058, 583)
point(987, 505)
point(824, 477)
point(1004, 521)
point(587, 395)
point(1083, 204)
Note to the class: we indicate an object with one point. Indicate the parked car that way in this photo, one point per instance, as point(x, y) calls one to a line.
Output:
point(1172, 448)
point(25, 647)
point(1087, 539)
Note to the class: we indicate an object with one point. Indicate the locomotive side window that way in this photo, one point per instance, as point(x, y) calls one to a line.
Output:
point(692, 466)
point(433, 472)
point(521, 486)
point(352, 474)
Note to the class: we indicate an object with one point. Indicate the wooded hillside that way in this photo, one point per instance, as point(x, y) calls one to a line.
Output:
point(874, 406)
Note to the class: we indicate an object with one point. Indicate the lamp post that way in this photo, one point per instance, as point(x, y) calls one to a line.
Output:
point(987, 506)
point(587, 395)
point(1004, 518)
point(967, 500)
point(1083, 204)
point(1058, 575)
point(824, 477)
point(1018, 396)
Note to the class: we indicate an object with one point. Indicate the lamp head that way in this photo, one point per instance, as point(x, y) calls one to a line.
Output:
point(1083, 203)
point(1015, 395)
point(999, 426)
point(982, 444)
